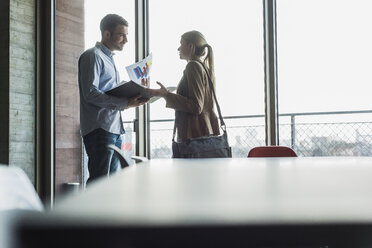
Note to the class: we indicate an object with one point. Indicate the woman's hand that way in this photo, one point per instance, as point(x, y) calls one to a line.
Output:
point(162, 92)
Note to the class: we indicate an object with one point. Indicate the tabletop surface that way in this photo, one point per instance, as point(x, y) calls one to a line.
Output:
point(230, 191)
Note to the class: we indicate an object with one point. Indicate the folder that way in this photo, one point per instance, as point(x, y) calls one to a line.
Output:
point(129, 89)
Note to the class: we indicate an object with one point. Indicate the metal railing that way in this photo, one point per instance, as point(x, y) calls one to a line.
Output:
point(343, 133)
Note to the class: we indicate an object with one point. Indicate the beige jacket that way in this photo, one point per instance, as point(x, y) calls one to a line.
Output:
point(193, 103)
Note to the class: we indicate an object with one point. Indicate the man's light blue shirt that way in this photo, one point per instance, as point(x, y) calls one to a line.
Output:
point(98, 74)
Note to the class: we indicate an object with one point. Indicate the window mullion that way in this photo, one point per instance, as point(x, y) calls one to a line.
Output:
point(271, 78)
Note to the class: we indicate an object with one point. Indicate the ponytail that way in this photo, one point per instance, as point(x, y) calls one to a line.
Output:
point(209, 62)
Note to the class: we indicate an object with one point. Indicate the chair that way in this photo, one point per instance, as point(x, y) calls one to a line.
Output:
point(271, 151)
point(18, 198)
point(124, 161)
point(17, 191)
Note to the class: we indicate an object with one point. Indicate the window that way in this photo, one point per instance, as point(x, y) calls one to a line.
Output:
point(234, 30)
point(95, 10)
point(323, 76)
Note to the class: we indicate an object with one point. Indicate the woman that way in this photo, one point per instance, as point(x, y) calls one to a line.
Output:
point(193, 101)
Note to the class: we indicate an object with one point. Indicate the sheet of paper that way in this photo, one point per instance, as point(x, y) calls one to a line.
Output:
point(140, 69)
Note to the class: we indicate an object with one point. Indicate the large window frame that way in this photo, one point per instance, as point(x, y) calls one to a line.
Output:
point(45, 81)
point(45, 101)
point(142, 122)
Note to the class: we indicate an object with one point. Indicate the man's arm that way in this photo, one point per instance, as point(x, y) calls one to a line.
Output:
point(90, 66)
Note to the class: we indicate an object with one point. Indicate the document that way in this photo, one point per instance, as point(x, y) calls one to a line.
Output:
point(136, 72)
point(140, 70)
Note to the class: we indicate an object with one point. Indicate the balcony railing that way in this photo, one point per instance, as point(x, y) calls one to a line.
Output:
point(345, 133)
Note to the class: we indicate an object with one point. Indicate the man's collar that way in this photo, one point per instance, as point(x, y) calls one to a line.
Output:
point(104, 49)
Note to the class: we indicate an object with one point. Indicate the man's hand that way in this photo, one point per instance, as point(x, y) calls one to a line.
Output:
point(145, 82)
point(136, 101)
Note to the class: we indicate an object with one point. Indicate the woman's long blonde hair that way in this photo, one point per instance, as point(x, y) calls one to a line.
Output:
point(200, 43)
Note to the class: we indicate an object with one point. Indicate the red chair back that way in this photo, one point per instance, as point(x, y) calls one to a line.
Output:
point(271, 151)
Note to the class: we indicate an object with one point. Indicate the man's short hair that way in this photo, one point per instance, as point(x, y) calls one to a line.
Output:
point(110, 21)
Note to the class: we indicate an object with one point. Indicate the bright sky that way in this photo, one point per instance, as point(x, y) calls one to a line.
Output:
point(324, 50)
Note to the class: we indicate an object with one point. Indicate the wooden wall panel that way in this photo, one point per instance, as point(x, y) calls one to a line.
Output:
point(69, 46)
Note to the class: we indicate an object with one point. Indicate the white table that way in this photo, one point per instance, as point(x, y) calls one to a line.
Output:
point(212, 202)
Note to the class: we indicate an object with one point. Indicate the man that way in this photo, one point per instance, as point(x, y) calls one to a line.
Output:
point(100, 117)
